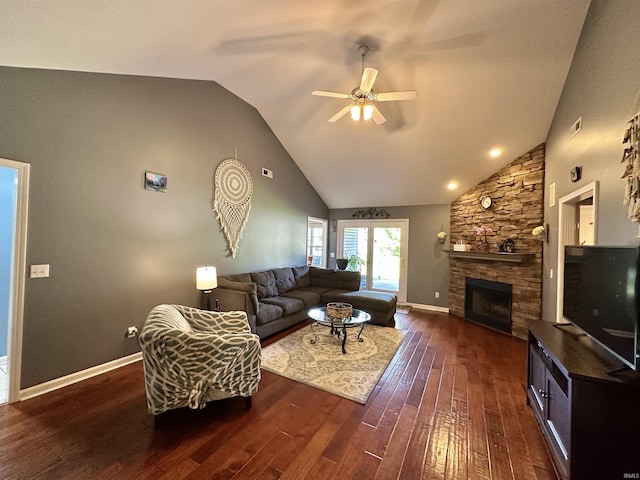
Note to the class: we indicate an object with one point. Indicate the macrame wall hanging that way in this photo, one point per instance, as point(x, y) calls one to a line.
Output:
point(232, 191)
point(631, 159)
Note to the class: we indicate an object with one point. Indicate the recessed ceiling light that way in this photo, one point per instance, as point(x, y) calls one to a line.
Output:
point(495, 152)
point(452, 185)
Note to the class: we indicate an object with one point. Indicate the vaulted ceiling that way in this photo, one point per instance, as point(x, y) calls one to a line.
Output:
point(488, 75)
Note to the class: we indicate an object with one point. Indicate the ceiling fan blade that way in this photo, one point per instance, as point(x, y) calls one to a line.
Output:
point(340, 114)
point(320, 93)
point(368, 77)
point(377, 116)
point(391, 96)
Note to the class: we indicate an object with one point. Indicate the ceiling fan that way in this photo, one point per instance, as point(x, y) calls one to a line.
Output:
point(364, 98)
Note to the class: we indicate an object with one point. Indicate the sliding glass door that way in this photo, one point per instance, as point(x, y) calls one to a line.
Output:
point(378, 250)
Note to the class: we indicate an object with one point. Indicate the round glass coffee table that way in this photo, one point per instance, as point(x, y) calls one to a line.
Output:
point(338, 327)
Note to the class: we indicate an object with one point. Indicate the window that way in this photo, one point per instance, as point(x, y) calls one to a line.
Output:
point(317, 242)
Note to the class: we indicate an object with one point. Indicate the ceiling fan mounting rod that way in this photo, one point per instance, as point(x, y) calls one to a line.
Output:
point(363, 50)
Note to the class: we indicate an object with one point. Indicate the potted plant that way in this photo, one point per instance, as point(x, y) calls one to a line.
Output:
point(483, 231)
point(355, 262)
point(342, 263)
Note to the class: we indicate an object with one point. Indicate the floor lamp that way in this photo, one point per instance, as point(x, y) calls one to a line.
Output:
point(206, 280)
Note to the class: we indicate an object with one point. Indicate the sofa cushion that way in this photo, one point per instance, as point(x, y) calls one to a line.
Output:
point(318, 290)
point(369, 301)
point(247, 287)
point(340, 279)
point(284, 279)
point(334, 295)
point(308, 297)
point(240, 277)
point(266, 283)
point(288, 305)
point(267, 313)
point(301, 275)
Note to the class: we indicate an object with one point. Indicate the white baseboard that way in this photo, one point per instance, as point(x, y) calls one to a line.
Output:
point(67, 380)
point(432, 308)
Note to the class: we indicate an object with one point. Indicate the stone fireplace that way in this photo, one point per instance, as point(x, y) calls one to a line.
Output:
point(517, 191)
point(489, 303)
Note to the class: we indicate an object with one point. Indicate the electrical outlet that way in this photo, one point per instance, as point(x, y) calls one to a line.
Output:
point(437, 294)
point(132, 332)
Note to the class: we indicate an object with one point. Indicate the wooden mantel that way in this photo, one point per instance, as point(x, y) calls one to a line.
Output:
point(492, 256)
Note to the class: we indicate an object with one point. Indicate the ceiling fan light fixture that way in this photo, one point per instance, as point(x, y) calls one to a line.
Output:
point(355, 112)
point(367, 111)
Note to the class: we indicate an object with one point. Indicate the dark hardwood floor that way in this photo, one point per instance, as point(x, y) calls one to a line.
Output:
point(451, 405)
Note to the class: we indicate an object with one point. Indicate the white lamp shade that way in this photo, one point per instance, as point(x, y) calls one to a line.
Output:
point(206, 278)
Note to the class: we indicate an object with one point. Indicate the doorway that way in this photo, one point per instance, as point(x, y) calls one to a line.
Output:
point(577, 224)
point(317, 242)
point(14, 194)
point(378, 250)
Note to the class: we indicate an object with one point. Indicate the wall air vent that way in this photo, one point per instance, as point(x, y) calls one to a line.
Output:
point(576, 127)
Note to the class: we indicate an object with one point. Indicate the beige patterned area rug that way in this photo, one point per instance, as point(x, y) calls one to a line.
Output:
point(323, 365)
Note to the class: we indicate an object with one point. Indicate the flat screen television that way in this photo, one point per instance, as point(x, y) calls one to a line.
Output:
point(601, 297)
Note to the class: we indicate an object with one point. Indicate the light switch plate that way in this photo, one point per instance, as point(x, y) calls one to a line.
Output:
point(39, 271)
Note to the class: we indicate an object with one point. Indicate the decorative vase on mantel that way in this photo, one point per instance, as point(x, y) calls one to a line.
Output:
point(483, 246)
point(481, 232)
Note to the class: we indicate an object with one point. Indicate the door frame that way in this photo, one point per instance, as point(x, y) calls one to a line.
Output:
point(18, 278)
point(404, 247)
point(567, 220)
point(325, 237)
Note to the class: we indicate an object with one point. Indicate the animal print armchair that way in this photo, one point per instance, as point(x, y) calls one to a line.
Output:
point(194, 356)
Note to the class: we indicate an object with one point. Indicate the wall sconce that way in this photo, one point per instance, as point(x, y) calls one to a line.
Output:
point(441, 234)
point(206, 280)
point(541, 232)
point(333, 225)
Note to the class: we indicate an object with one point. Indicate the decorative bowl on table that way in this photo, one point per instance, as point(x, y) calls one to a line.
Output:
point(339, 310)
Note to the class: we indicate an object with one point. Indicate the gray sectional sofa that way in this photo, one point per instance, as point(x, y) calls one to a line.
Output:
point(279, 298)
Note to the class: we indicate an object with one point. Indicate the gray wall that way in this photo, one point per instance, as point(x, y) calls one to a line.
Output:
point(602, 87)
point(115, 249)
point(428, 265)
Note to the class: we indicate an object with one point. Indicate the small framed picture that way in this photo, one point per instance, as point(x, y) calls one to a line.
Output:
point(155, 181)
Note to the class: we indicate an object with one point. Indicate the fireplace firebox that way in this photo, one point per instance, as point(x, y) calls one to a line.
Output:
point(489, 303)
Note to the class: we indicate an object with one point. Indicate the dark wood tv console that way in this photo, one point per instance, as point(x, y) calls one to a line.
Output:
point(590, 418)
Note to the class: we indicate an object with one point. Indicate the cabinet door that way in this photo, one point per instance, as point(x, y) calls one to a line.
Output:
point(558, 415)
point(537, 375)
